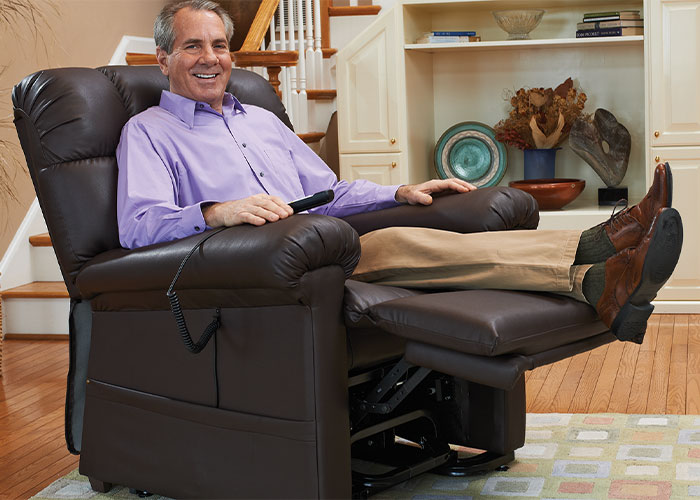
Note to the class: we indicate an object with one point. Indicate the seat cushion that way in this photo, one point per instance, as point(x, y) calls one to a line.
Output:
point(481, 322)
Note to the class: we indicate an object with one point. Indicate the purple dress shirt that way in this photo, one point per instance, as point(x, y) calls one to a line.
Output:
point(180, 154)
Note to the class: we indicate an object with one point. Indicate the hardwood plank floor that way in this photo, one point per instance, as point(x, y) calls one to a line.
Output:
point(660, 376)
point(33, 451)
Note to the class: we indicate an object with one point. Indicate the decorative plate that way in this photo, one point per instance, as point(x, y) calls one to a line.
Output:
point(470, 151)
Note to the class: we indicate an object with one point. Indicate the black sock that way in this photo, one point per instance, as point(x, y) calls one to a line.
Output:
point(594, 246)
point(594, 283)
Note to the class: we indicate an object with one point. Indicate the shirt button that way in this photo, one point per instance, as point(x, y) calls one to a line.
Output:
point(243, 144)
point(262, 174)
point(201, 106)
point(196, 228)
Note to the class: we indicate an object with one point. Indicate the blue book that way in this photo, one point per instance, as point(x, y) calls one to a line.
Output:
point(454, 33)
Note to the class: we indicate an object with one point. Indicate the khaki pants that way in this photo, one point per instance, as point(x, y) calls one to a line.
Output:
point(535, 260)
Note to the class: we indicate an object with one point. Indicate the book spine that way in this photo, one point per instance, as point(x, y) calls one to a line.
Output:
point(601, 18)
point(454, 33)
point(610, 24)
point(603, 32)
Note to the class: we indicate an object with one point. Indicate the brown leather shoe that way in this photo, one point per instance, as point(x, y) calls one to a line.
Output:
point(635, 275)
point(627, 228)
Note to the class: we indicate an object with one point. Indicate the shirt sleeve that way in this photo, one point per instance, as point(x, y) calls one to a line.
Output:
point(350, 197)
point(147, 209)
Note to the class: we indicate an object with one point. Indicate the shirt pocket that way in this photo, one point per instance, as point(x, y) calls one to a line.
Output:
point(283, 171)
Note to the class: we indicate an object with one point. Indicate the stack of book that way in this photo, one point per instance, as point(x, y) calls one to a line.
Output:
point(448, 36)
point(615, 23)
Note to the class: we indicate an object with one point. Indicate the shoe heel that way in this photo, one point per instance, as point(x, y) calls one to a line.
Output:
point(631, 322)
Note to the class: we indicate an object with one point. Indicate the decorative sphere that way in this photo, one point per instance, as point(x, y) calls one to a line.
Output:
point(518, 23)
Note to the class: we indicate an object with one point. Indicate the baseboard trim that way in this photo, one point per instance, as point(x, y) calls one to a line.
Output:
point(676, 306)
point(36, 336)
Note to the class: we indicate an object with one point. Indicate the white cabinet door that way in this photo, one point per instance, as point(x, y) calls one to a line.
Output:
point(380, 168)
point(369, 90)
point(674, 72)
point(685, 166)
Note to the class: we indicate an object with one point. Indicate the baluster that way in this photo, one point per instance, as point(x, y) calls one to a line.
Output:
point(284, 75)
point(293, 69)
point(301, 72)
point(318, 53)
point(310, 68)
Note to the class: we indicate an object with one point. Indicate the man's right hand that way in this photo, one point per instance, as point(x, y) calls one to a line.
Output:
point(256, 210)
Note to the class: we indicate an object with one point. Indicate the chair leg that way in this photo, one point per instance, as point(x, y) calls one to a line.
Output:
point(99, 486)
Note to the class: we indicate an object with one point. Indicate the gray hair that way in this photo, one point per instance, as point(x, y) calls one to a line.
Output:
point(164, 31)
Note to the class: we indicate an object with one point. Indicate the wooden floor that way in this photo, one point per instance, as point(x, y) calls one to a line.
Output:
point(660, 376)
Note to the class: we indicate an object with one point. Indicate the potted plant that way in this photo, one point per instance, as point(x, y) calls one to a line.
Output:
point(539, 121)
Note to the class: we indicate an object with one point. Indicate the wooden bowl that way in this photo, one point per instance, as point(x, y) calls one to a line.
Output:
point(551, 194)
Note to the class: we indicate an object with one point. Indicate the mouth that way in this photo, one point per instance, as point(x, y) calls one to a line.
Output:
point(205, 76)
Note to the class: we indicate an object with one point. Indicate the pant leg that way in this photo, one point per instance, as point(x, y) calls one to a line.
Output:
point(540, 260)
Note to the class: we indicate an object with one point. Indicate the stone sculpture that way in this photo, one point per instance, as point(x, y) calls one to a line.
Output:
point(604, 143)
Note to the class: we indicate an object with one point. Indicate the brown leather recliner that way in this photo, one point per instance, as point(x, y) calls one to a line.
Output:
point(310, 376)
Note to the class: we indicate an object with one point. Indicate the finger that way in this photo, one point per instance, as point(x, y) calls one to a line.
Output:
point(275, 205)
point(282, 204)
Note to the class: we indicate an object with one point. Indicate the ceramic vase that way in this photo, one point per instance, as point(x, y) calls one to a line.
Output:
point(539, 163)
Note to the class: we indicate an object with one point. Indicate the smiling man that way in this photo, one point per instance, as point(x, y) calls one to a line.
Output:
point(201, 159)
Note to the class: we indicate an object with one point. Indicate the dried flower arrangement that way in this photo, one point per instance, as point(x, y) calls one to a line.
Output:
point(541, 118)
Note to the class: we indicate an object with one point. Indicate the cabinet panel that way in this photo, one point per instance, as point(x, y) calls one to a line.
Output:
point(685, 165)
point(369, 90)
point(674, 70)
point(380, 168)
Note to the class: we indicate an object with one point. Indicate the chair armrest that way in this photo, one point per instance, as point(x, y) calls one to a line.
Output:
point(486, 209)
point(275, 255)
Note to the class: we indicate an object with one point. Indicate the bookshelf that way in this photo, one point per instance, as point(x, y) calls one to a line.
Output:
point(397, 97)
point(572, 43)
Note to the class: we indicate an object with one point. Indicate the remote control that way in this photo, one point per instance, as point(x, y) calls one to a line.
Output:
point(315, 200)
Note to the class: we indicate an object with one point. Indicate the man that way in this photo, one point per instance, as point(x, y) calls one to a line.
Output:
point(201, 160)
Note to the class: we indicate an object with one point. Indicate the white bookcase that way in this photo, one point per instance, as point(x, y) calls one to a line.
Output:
point(397, 97)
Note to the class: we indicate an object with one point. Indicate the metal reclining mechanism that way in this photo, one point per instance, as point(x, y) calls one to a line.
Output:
point(403, 419)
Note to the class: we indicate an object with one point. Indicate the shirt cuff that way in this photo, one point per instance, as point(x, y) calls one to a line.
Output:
point(192, 219)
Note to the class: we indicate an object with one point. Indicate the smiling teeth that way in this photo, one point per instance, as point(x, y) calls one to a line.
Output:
point(204, 76)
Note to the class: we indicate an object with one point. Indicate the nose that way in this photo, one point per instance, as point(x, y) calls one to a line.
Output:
point(208, 56)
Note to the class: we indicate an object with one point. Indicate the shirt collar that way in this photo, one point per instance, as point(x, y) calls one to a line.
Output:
point(184, 108)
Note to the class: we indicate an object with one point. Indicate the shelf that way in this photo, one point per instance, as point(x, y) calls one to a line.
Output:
point(529, 44)
point(597, 5)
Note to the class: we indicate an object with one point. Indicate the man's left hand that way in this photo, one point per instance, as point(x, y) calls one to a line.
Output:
point(419, 194)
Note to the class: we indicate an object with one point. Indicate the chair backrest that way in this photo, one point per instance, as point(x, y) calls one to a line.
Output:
point(69, 121)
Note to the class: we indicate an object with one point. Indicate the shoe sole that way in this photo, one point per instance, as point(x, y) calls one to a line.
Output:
point(659, 263)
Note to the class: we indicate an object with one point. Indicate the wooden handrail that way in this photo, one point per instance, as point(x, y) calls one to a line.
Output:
point(260, 25)
point(136, 59)
point(354, 10)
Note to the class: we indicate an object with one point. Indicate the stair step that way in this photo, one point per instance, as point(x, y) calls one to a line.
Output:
point(354, 10)
point(37, 310)
point(328, 52)
point(311, 137)
point(40, 240)
point(37, 290)
point(318, 94)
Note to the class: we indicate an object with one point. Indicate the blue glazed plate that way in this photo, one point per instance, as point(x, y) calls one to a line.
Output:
point(470, 151)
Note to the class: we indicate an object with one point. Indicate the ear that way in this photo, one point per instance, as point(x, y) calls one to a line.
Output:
point(162, 57)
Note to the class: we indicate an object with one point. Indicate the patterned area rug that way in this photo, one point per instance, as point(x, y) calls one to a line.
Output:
point(565, 456)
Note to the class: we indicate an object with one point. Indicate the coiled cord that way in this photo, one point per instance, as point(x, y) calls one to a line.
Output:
point(175, 307)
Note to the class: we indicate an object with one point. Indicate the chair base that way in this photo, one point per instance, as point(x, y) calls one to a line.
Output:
point(477, 464)
point(396, 464)
point(99, 486)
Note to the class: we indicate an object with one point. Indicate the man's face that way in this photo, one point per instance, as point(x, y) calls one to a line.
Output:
point(199, 66)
